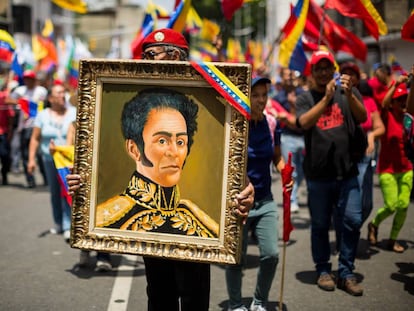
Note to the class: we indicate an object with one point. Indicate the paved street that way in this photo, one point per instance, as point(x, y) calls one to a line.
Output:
point(39, 270)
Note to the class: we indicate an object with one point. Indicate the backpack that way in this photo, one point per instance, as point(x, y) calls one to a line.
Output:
point(358, 142)
point(408, 124)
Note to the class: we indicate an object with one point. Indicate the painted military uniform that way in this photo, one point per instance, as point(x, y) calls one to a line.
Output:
point(147, 207)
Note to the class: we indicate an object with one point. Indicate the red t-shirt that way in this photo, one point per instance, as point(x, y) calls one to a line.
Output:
point(371, 107)
point(392, 157)
point(6, 112)
point(379, 89)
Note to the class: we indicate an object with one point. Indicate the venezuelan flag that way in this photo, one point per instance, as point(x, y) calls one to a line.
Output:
point(64, 158)
point(30, 108)
point(72, 68)
point(291, 52)
point(224, 86)
point(194, 22)
point(146, 28)
point(234, 51)
point(7, 46)
point(179, 16)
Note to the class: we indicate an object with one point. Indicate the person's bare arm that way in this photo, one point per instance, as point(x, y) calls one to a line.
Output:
point(386, 102)
point(34, 144)
point(378, 129)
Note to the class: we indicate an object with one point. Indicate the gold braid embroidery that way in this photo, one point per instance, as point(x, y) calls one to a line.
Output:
point(151, 196)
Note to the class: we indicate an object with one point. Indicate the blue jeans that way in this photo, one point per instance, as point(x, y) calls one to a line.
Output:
point(365, 181)
point(324, 197)
point(60, 207)
point(263, 219)
point(295, 145)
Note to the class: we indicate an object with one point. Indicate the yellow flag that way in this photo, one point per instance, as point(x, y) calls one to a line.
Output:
point(48, 28)
point(39, 51)
point(72, 5)
point(209, 30)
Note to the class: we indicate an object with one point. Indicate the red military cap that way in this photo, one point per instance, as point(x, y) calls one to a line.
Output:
point(165, 36)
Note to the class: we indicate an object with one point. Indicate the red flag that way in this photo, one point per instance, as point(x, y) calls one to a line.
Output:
point(358, 9)
point(286, 179)
point(229, 7)
point(407, 31)
point(333, 35)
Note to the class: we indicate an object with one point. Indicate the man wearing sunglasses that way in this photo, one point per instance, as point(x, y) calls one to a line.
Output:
point(328, 114)
point(165, 44)
point(175, 285)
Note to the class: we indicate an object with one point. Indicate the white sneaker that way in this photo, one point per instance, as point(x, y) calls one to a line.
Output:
point(66, 235)
point(103, 266)
point(241, 308)
point(83, 258)
point(254, 307)
point(294, 208)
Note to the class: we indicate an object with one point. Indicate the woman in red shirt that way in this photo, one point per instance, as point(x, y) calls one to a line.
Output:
point(394, 167)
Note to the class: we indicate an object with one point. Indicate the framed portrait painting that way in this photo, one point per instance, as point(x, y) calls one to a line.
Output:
point(161, 148)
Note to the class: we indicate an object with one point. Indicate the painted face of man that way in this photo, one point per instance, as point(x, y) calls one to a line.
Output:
point(165, 146)
point(258, 100)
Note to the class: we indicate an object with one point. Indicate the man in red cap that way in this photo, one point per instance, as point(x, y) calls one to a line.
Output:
point(26, 96)
point(327, 114)
point(172, 284)
point(165, 44)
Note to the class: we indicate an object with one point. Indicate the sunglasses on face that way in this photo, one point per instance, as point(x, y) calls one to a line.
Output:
point(322, 69)
point(151, 54)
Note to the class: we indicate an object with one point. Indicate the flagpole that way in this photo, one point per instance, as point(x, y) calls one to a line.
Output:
point(282, 281)
point(321, 28)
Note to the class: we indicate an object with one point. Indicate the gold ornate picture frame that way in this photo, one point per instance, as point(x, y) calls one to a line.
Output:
point(214, 172)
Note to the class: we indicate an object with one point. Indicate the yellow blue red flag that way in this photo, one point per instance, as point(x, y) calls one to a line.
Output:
point(179, 16)
point(224, 86)
point(7, 46)
point(64, 158)
point(30, 108)
point(291, 51)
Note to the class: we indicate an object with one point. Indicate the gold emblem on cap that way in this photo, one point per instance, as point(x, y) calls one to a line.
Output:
point(159, 36)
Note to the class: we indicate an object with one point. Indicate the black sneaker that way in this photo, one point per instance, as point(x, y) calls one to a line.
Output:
point(326, 282)
point(351, 286)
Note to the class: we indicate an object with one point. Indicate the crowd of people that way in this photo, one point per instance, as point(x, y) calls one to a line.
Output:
point(315, 122)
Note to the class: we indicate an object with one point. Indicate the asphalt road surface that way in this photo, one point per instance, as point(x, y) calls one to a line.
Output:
point(39, 270)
